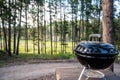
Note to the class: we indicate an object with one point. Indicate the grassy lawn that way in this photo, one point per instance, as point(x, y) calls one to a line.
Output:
point(32, 58)
point(68, 47)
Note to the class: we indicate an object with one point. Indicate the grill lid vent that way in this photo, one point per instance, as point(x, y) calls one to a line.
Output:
point(95, 48)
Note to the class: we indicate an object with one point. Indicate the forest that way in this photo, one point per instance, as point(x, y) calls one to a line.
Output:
point(51, 26)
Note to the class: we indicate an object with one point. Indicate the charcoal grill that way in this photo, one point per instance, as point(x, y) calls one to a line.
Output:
point(95, 54)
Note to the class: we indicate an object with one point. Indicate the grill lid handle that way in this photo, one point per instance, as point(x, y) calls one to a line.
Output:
point(95, 37)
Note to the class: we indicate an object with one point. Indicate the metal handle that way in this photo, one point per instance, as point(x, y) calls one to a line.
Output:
point(95, 37)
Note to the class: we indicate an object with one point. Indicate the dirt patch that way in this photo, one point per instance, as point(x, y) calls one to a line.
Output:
point(42, 71)
point(46, 77)
point(36, 61)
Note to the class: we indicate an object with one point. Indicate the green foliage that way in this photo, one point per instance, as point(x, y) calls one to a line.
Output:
point(32, 58)
point(118, 59)
point(70, 22)
point(1, 52)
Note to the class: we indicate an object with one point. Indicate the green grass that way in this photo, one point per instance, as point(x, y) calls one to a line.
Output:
point(37, 56)
point(45, 56)
point(68, 46)
point(118, 59)
point(32, 58)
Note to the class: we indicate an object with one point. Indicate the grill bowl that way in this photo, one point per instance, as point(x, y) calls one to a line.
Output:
point(101, 56)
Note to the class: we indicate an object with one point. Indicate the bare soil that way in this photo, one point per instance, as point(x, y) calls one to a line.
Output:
point(39, 71)
point(46, 77)
point(36, 71)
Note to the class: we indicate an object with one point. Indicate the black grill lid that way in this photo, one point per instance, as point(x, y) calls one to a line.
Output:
point(91, 47)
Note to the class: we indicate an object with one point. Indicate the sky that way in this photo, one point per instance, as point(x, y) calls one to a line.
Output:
point(117, 3)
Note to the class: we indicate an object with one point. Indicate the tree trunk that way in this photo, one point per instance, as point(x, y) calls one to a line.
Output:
point(9, 30)
point(26, 29)
point(56, 31)
point(45, 27)
point(4, 30)
point(51, 28)
point(19, 30)
point(45, 34)
point(14, 26)
point(1, 37)
point(4, 36)
point(51, 33)
point(82, 19)
point(61, 24)
point(107, 22)
point(38, 31)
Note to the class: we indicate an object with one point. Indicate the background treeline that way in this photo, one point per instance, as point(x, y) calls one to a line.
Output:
point(50, 26)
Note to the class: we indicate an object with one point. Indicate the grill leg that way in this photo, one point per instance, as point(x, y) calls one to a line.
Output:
point(81, 73)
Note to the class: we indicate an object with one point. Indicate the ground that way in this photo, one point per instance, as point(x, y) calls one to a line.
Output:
point(38, 71)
